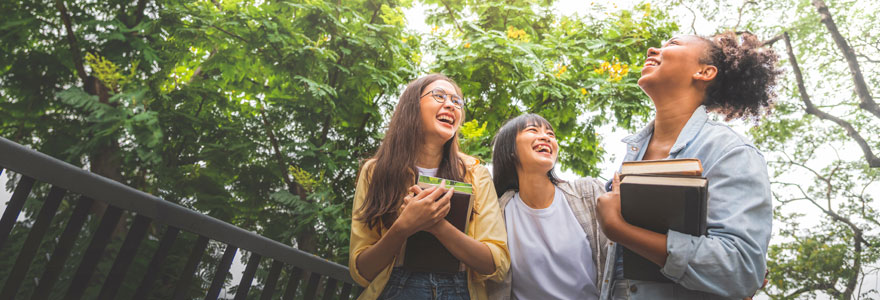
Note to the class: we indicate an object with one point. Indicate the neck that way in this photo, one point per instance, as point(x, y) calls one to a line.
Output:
point(673, 112)
point(429, 156)
point(535, 188)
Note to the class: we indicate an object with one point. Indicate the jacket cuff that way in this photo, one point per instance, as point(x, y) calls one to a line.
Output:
point(500, 267)
point(680, 248)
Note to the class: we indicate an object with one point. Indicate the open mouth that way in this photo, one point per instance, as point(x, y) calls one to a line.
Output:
point(543, 148)
point(652, 62)
point(446, 118)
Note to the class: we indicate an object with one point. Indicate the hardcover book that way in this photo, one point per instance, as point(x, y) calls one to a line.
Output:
point(424, 252)
point(681, 166)
point(660, 202)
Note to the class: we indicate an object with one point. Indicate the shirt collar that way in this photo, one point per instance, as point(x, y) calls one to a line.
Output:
point(688, 133)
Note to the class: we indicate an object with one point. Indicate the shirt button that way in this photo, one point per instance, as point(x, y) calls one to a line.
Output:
point(634, 149)
point(633, 288)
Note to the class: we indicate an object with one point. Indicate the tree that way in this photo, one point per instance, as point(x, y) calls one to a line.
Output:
point(578, 72)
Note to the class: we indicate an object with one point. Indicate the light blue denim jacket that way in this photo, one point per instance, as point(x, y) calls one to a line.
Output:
point(729, 262)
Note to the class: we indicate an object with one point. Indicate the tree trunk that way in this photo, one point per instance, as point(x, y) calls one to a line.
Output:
point(867, 101)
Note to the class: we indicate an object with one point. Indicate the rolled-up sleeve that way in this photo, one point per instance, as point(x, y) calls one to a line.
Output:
point(489, 226)
point(362, 237)
point(729, 261)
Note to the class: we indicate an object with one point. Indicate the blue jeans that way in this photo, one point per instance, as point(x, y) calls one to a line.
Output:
point(405, 284)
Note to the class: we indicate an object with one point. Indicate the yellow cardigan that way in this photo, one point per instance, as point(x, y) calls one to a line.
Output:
point(486, 227)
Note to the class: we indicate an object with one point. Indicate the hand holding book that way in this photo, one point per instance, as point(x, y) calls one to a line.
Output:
point(424, 209)
point(441, 200)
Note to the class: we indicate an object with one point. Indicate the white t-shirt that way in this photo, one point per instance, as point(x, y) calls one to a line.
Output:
point(427, 172)
point(550, 254)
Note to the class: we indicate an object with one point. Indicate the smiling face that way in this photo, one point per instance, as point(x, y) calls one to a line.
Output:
point(536, 148)
point(676, 63)
point(440, 121)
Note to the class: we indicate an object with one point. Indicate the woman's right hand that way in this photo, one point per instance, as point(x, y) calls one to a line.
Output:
point(423, 209)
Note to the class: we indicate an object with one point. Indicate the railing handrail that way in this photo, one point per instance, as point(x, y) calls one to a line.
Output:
point(42, 167)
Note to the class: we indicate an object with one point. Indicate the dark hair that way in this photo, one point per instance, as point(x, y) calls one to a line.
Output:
point(744, 85)
point(504, 159)
point(394, 170)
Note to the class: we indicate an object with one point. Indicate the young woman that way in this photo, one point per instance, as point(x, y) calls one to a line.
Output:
point(686, 78)
point(388, 207)
point(556, 246)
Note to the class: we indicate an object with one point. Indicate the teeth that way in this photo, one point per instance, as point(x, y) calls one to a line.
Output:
point(543, 148)
point(446, 118)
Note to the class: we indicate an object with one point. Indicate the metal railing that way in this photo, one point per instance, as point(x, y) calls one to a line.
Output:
point(143, 211)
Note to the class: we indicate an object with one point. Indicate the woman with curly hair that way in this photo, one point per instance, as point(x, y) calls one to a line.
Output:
point(686, 78)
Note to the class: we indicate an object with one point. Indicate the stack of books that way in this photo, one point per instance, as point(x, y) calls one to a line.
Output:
point(661, 195)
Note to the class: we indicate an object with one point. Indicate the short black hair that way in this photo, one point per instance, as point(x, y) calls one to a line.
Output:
point(504, 159)
point(747, 75)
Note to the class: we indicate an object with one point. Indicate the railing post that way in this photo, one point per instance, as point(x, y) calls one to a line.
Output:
point(62, 250)
point(195, 256)
point(13, 208)
point(293, 283)
point(220, 273)
point(94, 252)
point(32, 244)
point(271, 280)
point(245, 284)
point(126, 254)
point(156, 263)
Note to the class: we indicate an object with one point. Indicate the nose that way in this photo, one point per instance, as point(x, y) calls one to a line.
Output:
point(447, 104)
point(653, 51)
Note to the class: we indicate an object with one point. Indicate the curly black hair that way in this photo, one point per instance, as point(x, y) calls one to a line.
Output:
point(745, 84)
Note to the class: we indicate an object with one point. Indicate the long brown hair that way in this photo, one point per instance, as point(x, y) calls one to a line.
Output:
point(394, 170)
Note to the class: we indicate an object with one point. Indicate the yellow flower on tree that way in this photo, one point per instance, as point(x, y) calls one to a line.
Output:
point(583, 91)
point(467, 45)
point(615, 71)
point(517, 34)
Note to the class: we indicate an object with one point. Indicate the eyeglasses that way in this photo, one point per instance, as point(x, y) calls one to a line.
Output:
point(441, 96)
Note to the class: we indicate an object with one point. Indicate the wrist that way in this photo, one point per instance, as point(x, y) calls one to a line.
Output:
point(615, 227)
point(398, 231)
point(441, 228)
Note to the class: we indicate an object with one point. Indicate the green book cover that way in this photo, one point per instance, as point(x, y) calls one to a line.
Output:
point(429, 181)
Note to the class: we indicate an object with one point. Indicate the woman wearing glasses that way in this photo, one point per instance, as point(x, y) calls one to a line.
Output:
point(388, 207)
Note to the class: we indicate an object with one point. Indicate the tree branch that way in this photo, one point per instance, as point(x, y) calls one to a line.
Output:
point(867, 101)
point(451, 15)
point(741, 8)
point(770, 41)
point(816, 287)
point(694, 21)
point(872, 159)
point(139, 11)
point(292, 186)
point(868, 59)
point(71, 39)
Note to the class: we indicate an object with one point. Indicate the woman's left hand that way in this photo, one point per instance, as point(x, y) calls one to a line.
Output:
point(441, 224)
point(608, 208)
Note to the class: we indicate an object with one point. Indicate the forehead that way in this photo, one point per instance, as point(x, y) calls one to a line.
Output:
point(537, 123)
point(684, 39)
point(444, 85)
